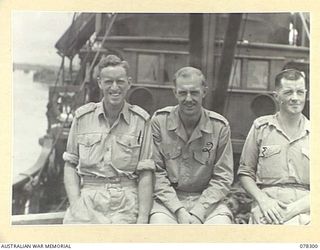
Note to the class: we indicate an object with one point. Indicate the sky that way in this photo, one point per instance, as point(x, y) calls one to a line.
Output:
point(34, 35)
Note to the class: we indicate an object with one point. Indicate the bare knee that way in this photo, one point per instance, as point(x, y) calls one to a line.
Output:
point(219, 219)
point(161, 218)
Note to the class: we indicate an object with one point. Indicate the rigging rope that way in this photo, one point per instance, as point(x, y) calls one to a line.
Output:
point(305, 25)
point(99, 49)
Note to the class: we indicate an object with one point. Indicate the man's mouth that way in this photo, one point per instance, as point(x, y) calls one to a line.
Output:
point(189, 105)
point(295, 105)
point(116, 94)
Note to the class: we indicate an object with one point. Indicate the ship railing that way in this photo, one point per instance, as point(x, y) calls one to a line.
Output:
point(38, 219)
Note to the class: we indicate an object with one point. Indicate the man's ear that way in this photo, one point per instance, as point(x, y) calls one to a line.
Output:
point(275, 95)
point(129, 82)
point(99, 82)
point(174, 90)
point(205, 91)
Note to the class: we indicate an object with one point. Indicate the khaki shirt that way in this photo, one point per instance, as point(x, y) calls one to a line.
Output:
point(203, 164)
point(97, 149)
point(270, 158)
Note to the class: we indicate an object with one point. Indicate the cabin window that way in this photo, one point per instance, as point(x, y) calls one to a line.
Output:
point(235, 76)
point(258, 72)
point(148, 68)
point(172, 63)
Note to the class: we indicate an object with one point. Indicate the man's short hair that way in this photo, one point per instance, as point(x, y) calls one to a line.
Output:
point(187, 72)
point(112, 60)
point(288, 74)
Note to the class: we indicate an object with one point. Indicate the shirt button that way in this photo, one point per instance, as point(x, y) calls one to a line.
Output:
point(107, 149)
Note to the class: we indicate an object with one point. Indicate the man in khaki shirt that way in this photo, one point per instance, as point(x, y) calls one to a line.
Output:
point(274, 165)
point(193, 156)
point(108, 170)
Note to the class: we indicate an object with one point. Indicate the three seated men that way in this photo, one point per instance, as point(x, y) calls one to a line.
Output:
point(114, 150)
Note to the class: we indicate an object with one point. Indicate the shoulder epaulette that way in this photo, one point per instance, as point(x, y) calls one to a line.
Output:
point(217, 116)
point(89, 107)
point(140, 111)
point(164, 110)
point(263, 120)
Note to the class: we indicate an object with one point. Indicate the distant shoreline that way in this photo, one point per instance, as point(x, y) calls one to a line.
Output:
point(42, 73)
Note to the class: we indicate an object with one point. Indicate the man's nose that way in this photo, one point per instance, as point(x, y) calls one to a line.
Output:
point(188, 97)
point(114, 85)
point(294, 96)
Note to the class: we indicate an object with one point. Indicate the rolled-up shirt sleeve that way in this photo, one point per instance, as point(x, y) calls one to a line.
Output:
point(164, 192)
point(71, 154)
point(222, 176)
point(249, 156)
point(145, 160)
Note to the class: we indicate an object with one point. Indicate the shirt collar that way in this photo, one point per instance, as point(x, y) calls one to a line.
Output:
point(205, 123)
point(174, 120)
point(274, 121)
point(125, 113)
point(307, 125)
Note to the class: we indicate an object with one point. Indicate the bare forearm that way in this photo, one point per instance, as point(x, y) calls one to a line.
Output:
point(251, 187)
point(71, 182)
point(300, 206)
point(145, 192)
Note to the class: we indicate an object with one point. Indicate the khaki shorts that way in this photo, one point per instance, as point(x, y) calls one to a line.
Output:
point(112, 203)
point(286, 195)
point(189, 200)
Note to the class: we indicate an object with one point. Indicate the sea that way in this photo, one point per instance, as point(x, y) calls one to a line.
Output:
point(29, 119)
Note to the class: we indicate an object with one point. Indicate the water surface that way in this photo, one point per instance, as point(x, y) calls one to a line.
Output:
point(29, 119)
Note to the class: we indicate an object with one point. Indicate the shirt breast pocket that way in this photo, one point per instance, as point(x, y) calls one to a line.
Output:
point(202, 166)
point(270, 162)
point(89, 148)
point(202, 157)
point(172, 155)
point(125, 153)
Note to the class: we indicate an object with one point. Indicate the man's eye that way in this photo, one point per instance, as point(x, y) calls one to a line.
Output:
point(109, 82)
point(287, 92)
point(195, 93)
point(301, 92)
point(182, 93)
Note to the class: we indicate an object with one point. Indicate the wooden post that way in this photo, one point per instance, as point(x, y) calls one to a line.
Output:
point(196, 40)
point(227, 57)
point(202, 33)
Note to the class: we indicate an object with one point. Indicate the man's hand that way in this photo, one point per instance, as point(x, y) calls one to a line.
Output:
point(301, 206)
point(272, 210)
point(257, 215)
point(183, 216)
point(195, 220)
